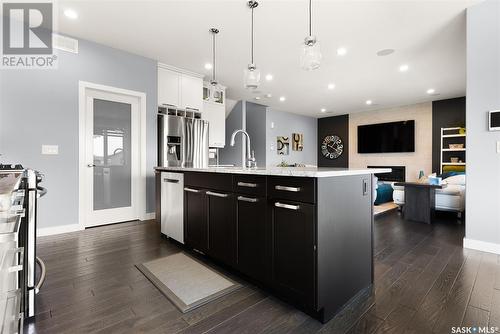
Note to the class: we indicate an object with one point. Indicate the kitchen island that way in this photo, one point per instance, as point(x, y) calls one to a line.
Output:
point(305, 234)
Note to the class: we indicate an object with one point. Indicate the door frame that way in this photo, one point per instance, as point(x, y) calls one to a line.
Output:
point(83, 88)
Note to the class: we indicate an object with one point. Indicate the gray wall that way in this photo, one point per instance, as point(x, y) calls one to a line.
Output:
point(483, 94)
point(256, 128)
point(234, 121)
point(41, 107)
point(284, 125)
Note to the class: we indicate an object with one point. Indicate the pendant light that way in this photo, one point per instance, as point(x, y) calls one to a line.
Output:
point(310, 57)
point(251, 73)
point(214, 85)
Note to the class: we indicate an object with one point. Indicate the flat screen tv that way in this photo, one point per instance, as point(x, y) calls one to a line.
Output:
point(387, 137)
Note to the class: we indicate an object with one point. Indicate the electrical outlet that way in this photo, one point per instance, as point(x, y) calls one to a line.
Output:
point(50, 149)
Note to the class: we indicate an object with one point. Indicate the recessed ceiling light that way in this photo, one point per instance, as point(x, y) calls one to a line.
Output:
point(269, 77)
point(331, 86)
point(431, 91)
point(341, 51)
point(208, 66)
point(71, 14)
point(282, 98)
point(269, 95)
point(369, 102)
point(403, 68)
point(323, 110)
point(385, 52)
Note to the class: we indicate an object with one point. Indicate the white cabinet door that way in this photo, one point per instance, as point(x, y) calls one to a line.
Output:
point(168, 87)
point(215, 114)
point(191, 92)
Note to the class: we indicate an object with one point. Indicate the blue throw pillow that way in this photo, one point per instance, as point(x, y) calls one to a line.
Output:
point(384, 193)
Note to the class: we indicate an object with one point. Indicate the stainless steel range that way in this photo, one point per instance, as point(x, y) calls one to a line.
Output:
point(19, 192)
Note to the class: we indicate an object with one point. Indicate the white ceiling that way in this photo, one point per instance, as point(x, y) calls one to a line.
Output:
point(429, 36)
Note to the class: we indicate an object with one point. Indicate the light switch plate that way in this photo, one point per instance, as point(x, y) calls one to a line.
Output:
point(50, 149)
point(498, 146)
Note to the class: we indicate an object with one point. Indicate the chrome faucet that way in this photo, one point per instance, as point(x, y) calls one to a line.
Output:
point(250, 163)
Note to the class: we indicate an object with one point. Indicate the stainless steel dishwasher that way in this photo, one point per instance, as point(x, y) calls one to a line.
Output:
point(172, 205)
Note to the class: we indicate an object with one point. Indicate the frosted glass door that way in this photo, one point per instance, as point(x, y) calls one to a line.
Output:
point(112, 155)
point(112, 167)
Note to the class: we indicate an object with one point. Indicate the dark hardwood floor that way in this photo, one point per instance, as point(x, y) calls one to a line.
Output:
point(424, 283)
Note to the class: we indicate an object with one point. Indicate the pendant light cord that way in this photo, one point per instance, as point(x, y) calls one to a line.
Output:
point(213, 49)
point(310, 17)
point(252, 36)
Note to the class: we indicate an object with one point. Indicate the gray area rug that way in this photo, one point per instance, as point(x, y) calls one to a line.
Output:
point(186, 282)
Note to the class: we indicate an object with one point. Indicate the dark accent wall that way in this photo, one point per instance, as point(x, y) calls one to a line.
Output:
point(445, 114)
point(335, 125)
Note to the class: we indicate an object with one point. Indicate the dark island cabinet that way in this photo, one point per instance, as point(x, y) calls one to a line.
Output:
point(221, 226)
point(254, 258)
point(293, 250)
point(309, 240)
point(195, 219)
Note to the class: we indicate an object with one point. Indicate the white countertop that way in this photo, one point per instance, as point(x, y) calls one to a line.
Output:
point(283, 171)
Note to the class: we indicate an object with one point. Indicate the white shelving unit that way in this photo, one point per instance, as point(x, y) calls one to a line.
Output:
point(447, 133)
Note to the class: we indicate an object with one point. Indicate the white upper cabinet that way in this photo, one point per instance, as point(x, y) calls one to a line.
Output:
point(215, 114)
point(168, 87)
point(180, 88)
point(191, 92)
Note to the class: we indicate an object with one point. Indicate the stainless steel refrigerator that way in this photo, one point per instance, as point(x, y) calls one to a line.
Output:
point(182, 141)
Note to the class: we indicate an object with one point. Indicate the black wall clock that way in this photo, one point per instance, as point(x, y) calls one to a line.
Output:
point(332, 147)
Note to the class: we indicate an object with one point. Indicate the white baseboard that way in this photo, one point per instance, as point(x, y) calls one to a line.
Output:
point(149, 216)
point(44, 231)
point(484, 246)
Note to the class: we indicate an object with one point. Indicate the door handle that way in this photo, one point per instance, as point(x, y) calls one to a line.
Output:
point(211, 193)
point(286, 206)
point(247, 199)
point(246, 184)
point(170, 180)
point(285, 188)
point(365, 187)
point(90, 165)
point(192, 190)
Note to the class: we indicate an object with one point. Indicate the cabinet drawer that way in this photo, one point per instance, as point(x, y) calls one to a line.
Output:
point(250, 184)
point(299, 189)
point(209, 180)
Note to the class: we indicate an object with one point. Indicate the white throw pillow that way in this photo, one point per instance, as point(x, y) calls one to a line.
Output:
point(456, 179)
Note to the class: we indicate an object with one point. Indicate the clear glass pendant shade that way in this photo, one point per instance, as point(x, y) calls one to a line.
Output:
point(310, 56)
point(251, 77)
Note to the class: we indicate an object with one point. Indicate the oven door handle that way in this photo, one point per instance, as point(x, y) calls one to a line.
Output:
point(41, 191)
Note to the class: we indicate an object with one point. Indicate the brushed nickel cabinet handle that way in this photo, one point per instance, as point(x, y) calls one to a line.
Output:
point(247, 199)
point(170, 180)
point(246, 184)
point(211, 193)
point(192, 190)
point(286, 206)
point(285, 188)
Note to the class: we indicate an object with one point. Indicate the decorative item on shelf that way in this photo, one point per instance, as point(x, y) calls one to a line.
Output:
point(332, 147)
point(297, 141)
point(461, 131)
point(283, 145)
point(283, 163)
point(456, 146)
point(310, 57)
point(420, 174)
point(252, 73)
point(454, 159)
